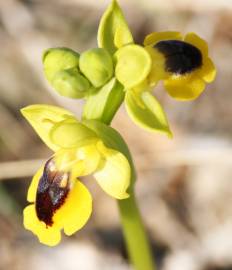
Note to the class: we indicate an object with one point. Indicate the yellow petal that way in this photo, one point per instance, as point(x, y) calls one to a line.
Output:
point(198, 42)
point(70, 133)
point(50, 236)
point(133, 65)
point(208, 71)
point(155, 37)
point(113, 174)
point(31, 194)
point(186, 87)
point(76, 210)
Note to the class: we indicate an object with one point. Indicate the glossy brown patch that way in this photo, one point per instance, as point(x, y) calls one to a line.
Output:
point(52, 191)
point(181, 57)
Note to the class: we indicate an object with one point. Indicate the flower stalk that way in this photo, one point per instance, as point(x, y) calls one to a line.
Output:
point(117, 71)
point(135, 236)
point(137, 242)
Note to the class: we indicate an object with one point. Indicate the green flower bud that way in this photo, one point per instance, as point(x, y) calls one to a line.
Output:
point(70, 83)
point(57, 59)
point(97, 66)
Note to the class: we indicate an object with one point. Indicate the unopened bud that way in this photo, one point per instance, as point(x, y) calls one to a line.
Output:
point(57, 59)
point(70, 83)
point(97, 65)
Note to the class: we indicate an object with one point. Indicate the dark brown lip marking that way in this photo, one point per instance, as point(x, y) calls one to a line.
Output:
point(51, 193)
point(181, 57)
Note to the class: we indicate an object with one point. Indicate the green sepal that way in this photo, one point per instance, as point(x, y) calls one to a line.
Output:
point(97, 65)
point(103, 104)
point(57, 59)
point(43, 118)
point(113, 31)
point(146, 111)
point(71, 133)
point(70, 83)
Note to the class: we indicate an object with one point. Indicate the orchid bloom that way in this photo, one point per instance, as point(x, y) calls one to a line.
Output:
point(58, 199)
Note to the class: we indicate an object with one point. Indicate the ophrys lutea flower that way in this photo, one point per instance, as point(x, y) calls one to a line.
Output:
point(58, 199)
point(181, 62)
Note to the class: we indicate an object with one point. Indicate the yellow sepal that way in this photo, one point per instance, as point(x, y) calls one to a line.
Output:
point(43, 118)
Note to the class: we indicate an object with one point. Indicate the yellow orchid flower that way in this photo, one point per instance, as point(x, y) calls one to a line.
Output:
point(181, 62)
point(58, 199)
point(132, 66)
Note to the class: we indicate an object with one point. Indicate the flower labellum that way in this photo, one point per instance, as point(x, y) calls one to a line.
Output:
point(52, 191)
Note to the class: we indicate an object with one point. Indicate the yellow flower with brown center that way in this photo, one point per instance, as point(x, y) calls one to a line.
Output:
point(181, 62)
point(58, 199)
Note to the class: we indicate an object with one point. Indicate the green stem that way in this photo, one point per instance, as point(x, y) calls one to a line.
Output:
point(138, 247)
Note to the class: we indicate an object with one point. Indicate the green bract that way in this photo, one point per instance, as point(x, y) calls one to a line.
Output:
point(113, 31)
point(96, 64)
point(104, 103)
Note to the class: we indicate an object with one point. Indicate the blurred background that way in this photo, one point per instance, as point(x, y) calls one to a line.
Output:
point(184, 185)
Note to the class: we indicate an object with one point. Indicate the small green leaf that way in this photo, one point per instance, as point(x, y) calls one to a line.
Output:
point(146, 112)
point(70, 133)
point(133, 64)
point(70, 83)
point(113, 31)
point(103, 104)
point(97, 65)
point(43, 118)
